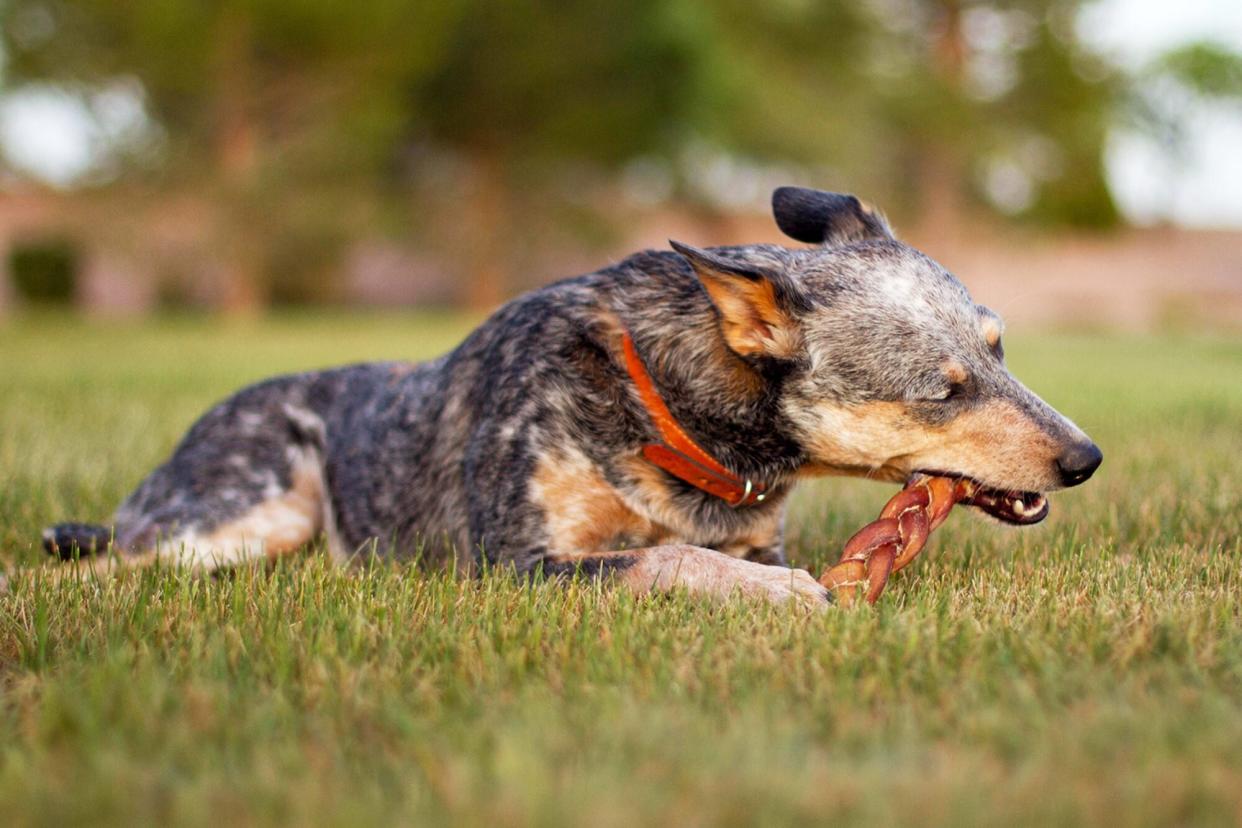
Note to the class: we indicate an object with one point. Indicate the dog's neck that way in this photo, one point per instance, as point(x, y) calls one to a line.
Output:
point(676, 451)
point(728, 405)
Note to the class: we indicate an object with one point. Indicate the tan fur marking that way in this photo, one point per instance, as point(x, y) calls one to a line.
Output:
point(764, 532)
point(583, 512)
point(995, 443)
point(586, 515)
point(272, 528)
point(864, 436)
point(750, 316)
point(652, 497)
point(955, 372)
point(991, 328)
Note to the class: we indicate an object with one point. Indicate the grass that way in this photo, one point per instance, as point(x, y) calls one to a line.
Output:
point(1088, 670)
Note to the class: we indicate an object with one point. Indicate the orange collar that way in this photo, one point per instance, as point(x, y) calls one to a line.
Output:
point(679, 455)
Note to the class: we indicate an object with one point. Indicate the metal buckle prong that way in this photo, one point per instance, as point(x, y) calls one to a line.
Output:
point(750, 486)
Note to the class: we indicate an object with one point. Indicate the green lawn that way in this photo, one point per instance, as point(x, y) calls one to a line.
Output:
point(1087, 670)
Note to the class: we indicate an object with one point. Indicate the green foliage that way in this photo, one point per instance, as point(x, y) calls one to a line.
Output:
point(44, 271)
point(886, 97)
point(1086, 671)
point(319, 84)
point(1167, 96)
point(1209, 69)
point(551, 81)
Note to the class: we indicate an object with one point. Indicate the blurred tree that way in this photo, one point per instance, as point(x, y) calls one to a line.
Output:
point(1208, 69)
point(940, 105)
point(44, 270)
point(274, 110)
point(528, 89)
point(293, 115)
point(1164, 94)
point(1167, 100)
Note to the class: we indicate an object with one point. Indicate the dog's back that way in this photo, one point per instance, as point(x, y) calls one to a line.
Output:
point(397, 457)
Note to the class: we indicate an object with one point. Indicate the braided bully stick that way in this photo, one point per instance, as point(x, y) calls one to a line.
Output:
point(894, 540)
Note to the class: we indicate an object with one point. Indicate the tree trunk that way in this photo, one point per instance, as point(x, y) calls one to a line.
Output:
point(488, 234)
point(236, 159)
point(940, 170)
point(941, 205)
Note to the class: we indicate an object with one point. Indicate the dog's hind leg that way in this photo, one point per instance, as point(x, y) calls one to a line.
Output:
point(696, 569)
point(246, 484)
point(280, 523)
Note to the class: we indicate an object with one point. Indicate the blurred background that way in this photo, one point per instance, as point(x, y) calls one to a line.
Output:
point(1076, 163)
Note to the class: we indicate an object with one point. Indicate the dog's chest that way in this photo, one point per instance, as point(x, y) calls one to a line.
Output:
point(583, 512)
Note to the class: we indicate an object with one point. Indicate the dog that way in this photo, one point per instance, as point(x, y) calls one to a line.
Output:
point(645, 422)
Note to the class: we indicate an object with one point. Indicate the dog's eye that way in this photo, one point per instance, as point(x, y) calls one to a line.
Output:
point(952, 392)
point(955, 376)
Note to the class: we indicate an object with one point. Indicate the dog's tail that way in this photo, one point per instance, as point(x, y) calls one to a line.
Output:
point(70, 540)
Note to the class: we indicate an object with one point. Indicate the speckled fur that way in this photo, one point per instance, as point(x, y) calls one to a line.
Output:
point(530, 430)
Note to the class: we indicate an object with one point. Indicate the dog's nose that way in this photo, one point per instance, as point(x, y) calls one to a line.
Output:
point(1079, 462)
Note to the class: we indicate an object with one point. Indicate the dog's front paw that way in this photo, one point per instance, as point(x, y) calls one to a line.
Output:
point(723, 577)
point(782, 586)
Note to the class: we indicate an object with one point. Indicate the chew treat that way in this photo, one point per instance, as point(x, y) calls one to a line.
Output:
point(890, 543)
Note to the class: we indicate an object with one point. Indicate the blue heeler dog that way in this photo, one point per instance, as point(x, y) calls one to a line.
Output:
point(645, 423)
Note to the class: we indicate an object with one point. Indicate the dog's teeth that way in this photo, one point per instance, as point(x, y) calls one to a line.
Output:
point(1019, 508)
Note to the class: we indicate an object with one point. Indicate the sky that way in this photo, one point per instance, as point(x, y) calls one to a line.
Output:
point(48, 134)
point(1203, 189)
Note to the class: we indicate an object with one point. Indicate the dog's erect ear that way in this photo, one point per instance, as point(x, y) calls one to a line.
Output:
point(818, 217)
point(753, 316)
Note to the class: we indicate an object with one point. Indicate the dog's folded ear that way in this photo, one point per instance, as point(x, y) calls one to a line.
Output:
point(819, 217)
point(754, 304)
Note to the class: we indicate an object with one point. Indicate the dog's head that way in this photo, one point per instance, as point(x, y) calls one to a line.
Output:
point(886, 366)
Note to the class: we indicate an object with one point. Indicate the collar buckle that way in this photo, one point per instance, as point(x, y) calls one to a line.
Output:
point(746, 493)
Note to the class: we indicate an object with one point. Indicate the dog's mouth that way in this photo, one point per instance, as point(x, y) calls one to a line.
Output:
point(1009, 506)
